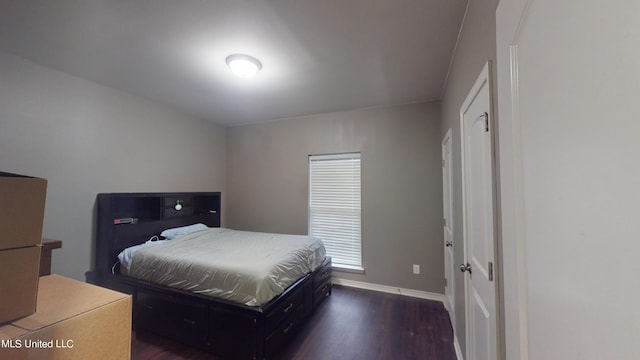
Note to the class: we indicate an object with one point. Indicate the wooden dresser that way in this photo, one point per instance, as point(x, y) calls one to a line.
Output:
point(48, 246)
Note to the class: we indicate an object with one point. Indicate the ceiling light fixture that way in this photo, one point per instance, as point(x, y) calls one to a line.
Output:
point(244, 66)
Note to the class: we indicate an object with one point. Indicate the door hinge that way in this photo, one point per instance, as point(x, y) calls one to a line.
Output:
point(444, 222)
point(446, 283)
point(490, 271)
point(486, 122)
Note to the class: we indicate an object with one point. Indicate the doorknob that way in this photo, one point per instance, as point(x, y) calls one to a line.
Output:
point(466, 267)
point(448, 244)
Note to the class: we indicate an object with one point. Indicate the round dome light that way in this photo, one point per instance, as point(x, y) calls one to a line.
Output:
point(244, 66)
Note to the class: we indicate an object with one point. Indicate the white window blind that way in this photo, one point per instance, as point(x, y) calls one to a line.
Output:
point(334, 206)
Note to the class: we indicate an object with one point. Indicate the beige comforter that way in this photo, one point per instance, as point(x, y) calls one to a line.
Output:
point(245, 267)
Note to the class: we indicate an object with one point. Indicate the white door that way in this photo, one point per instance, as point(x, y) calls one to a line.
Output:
point(448, 226)
point(478, 230)
point(569, 84)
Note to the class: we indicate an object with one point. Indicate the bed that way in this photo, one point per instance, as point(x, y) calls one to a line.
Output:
point(244, 320)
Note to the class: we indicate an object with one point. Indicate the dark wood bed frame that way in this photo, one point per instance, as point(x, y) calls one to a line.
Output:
point(224, 328)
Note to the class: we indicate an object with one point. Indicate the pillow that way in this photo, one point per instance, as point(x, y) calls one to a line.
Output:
point(184, 230)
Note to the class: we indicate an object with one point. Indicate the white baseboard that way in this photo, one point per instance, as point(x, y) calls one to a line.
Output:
point(456, 346)
point(389, 289)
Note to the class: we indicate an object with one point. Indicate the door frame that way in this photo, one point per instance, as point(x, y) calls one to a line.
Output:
point(448, 138)
point(509, 17)
point(485, 76)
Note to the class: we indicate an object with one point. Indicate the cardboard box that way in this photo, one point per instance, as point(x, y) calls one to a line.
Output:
point(19, 270)
point(22, 211)
point(10, 332)
point(74, 321)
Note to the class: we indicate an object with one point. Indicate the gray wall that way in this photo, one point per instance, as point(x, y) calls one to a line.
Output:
point(85, 139)
point(267, 184)
point(476, 46)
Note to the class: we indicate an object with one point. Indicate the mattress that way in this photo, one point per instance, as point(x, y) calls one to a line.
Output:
point(250, 268)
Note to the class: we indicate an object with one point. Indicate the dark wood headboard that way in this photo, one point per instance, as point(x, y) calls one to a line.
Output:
point(127, 219)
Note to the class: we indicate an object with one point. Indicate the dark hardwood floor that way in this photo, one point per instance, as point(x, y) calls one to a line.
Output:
point(350, 324)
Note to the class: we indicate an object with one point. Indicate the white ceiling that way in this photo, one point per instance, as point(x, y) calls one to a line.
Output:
point(318, 55)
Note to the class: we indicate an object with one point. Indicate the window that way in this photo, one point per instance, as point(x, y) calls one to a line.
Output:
point(334, 206)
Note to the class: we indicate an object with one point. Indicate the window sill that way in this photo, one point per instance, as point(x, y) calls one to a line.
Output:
point(348, 268)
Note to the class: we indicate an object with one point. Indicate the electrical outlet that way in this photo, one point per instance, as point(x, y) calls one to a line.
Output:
point(416, 269)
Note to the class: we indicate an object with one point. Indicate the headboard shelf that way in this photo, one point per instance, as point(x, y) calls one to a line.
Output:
point(127, 219)
point(142, 208)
